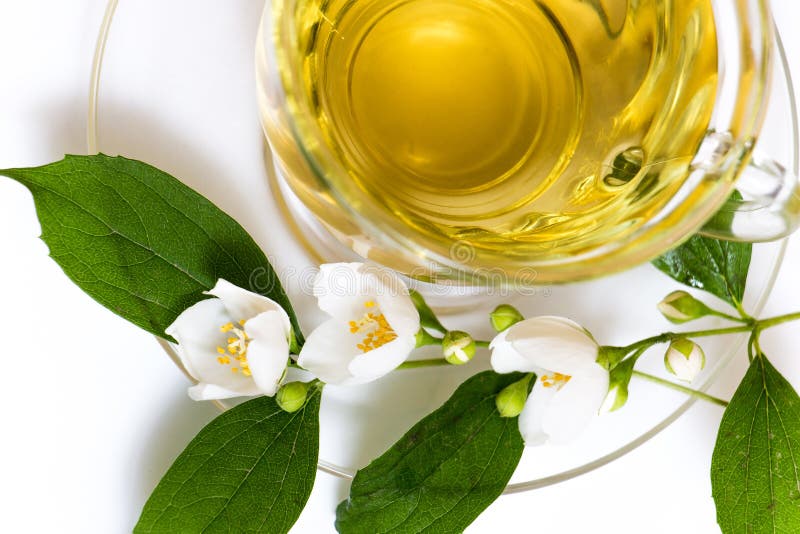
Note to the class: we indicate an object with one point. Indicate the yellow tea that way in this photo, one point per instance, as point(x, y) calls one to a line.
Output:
point(518, 126)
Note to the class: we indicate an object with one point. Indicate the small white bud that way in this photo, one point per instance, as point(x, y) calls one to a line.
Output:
point(684, 359)
point(680, 307)
point(511, 400)
point(458, 347)
point(505, 316)
point(292, 396)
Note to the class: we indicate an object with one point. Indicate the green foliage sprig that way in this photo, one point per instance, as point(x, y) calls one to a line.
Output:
point(147, 247)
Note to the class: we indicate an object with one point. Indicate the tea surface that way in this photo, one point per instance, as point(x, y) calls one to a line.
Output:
point(550, 125)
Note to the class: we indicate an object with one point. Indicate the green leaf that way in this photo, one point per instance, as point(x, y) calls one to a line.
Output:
point(139, 241)
point(717, 266)
point(444, 472)
point(249, 470)
point(755, 470)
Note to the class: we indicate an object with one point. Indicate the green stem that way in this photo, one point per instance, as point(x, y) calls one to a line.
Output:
point(746, 316)
point(746, 320)
point(752, 325)
point(750, 348)
point(714, 331)
point(756, 344)
point(763, 324)
point(753, 345)
point(417, 364)
point(682, 389)
point(669, 336)
point(481, 343)
point(427, 316)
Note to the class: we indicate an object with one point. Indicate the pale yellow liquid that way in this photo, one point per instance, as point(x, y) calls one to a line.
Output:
point(520, 127)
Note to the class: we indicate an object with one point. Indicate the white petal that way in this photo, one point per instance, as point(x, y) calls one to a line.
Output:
point(198, 335)
point(197, 332)
point(328, 351)
point(202, 391)
point(554, 343)
point(575, 405)
point(394, 301)
point(376, 363)
point(268, 351)
point(342, 289)
point(244, 305)
point(530, 420)
point(506, 359)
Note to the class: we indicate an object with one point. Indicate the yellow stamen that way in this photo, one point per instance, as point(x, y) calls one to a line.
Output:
point(236, 349)
point(374, 327)
point(556, 380)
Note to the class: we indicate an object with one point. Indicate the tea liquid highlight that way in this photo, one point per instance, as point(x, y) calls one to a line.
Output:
point(517, 126)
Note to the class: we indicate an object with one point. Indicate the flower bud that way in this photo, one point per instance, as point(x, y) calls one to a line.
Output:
point(458, 347)
point(292, 396)
point(619, 380)
point(505, 316)
point(680, 307)
point(615, 399)
point(684, 359)
point(511, 400)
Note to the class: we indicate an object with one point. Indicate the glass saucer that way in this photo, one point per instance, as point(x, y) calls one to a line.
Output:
point(173, 84)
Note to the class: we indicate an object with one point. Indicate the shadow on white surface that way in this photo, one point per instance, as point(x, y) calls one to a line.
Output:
point(137, 133)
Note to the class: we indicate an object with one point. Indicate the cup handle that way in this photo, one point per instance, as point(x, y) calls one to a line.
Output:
point(767, 208)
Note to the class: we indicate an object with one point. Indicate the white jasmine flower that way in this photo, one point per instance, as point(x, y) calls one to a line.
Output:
point(234, 345)
point(570, 385)
point(372, 329)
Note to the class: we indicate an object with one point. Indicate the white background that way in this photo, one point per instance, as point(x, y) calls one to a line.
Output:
point(93, 412)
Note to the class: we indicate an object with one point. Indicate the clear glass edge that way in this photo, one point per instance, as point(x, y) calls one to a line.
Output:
point(92, 138)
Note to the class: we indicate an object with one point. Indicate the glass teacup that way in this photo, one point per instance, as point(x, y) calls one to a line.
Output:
point(444, 139)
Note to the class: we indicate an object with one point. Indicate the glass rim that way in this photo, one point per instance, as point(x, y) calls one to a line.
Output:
point(674, 223)
point(92, 139)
